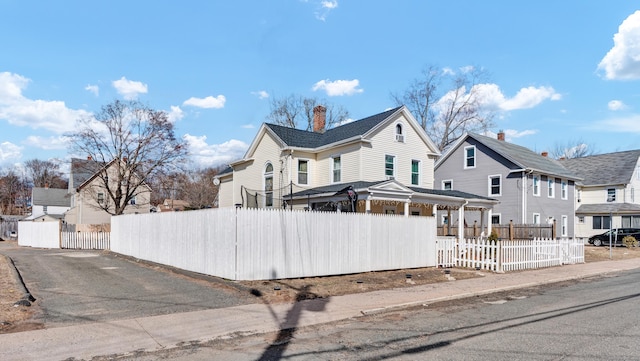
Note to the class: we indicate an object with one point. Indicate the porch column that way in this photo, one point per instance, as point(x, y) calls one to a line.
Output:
point(367, 204)
point(406, 207)
point(489, 222)
point(461, 223)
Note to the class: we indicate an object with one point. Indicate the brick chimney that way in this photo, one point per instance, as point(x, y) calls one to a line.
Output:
point(545, 154)
point(89, 157)
point(319, 118)
point(501, 135)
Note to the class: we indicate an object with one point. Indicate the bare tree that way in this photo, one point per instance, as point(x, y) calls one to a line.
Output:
point(572, 149)
point(43, 173)
point(446, 104)
point(297, 112)
point(128, 143)
point(14, 194)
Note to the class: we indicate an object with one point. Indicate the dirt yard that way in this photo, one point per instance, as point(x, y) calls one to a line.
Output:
point(17, 318)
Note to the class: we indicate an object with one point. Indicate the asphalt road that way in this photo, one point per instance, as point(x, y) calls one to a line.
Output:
point(595, 319)
point(73, 287)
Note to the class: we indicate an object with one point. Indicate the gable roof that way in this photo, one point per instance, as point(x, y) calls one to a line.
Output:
point(357, 130)
point(82, 170)
point(518, 155)
point(53, 197)
point(604, 169)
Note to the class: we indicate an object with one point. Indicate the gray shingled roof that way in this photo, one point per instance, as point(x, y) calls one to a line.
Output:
point(54, 197)
point(606, 208)
point(525, 158)
point(604, 169)
point(83, 169)
point(306, 139)
point(333, 188)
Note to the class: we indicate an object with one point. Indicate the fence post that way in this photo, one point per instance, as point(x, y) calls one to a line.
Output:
point(475, 228)
point(511, 230)
point(553, 229)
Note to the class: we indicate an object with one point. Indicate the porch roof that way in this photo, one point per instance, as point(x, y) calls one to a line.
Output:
point(393, 189)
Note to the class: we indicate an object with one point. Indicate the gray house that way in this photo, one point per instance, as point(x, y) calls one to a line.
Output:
point(531, 188)
point(606, 195)
point(53, 202)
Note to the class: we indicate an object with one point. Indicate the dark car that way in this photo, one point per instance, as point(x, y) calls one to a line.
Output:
point(616, 236)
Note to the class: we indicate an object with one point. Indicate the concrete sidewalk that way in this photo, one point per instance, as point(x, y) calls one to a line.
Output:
point(167, 331)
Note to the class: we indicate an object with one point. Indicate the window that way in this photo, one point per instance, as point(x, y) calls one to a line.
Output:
point(495, 188)
point(631, 221)
point(132, 201)
point(303, 171)
point(447, 185)
point(268, 185)
point(564, 226)
point(563, 190)
point(389, 166)
point(44, 209)
point(601, 222)
point(536, 186)
point(469, 157)
point(415, 172)
point(551, 189)
point(581, 219)
point(399, 135)
point(633, 195)
point(336, 170)
point(100, 198)
point(445, 219)
point(389, 210)
point(495, 219)
point(611, 195)
point(536, 218)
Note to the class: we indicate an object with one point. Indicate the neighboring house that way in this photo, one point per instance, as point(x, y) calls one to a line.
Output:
point(531, 188)
point(606, 195)
point(88, 195)
point(173, 205)
point(379, 164)
point(49, 201)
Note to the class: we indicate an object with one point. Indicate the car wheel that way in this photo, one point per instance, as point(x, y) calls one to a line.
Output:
point(597, 242)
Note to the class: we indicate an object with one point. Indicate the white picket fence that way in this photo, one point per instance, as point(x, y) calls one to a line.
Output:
point(258, 244)
point(50, 235)
point(507, 255)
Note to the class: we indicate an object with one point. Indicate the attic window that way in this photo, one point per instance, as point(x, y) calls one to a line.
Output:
point(611, 195)
point(399, 135)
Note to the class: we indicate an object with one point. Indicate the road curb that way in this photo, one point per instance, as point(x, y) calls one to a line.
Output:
point(27, 298)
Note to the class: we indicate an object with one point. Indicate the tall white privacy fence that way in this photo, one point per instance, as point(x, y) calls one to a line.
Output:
point(52, 235)
point(508, 255)
point(255, 244)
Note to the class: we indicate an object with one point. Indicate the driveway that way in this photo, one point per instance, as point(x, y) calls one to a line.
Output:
point(73, 287)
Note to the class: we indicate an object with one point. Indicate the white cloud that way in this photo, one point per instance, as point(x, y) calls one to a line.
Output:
point(324, 8)
point(50, 143)
point(526, 98)
point(9, 152)
point(616, 105)
point(622, 62)
point(338, 87)
point(129, 89)
point(93, 89)
point(261, 94)
point(248, 126)
point(208, 102)
point(36, 114)
point(175, 114)
point(511, 134)
point(212, 155)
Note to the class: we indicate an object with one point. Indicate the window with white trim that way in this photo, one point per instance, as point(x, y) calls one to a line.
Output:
point(564, 192)
point(268, 185)
point(399, 134)
point(495, 185)
point(601, 222)
point(496, 219)
point(564, 226)
point(536, 186)
point(551, 187)
point(132, 201)
point(581, 219)
point(389, 166)
point(100, 198)
point(611, 194)
point(303, 171)
point(536, 218)
point(336, 169)
point(415, 172)
point(469, 157)
point(447, 185)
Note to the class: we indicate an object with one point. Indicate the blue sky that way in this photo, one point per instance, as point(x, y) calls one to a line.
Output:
point(560, 71)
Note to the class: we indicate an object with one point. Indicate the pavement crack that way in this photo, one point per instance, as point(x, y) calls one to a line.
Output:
point(150, 335)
